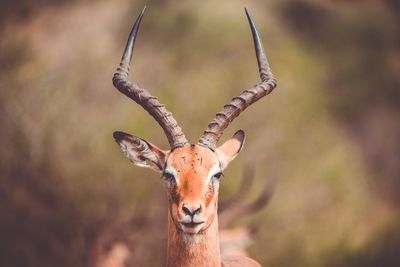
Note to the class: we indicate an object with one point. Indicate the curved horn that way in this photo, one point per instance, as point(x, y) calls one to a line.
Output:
point(141, 96)
point(239, 103)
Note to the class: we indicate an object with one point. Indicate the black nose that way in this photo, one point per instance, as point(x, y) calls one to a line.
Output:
point(191, 210)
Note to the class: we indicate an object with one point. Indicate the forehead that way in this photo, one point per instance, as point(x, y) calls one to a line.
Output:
point(193, 157)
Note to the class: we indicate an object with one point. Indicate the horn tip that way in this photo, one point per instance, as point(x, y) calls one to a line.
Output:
point(247, 12)
point(143, 10)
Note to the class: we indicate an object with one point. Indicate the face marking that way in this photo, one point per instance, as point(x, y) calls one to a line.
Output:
point(214, 170)
point(173, 172)
point(193, 198)
point(191, 175)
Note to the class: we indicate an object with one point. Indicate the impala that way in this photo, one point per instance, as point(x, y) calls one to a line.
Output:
point(191, 171)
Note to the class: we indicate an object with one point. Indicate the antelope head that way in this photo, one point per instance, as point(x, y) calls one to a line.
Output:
point(191, 171)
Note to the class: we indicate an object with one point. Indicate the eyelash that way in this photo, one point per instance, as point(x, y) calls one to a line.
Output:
point(169, 177)
point(217, 176)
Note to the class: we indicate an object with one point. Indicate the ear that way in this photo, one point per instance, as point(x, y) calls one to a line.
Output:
point(140, 152)
point(231, 148)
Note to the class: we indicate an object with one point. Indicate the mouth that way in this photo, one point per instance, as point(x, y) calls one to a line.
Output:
point(191, 224)
point(191, 227)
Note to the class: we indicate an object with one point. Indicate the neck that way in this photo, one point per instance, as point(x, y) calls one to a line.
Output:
point(201, 249)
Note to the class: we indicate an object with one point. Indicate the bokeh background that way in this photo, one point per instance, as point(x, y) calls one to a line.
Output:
point(330, 132)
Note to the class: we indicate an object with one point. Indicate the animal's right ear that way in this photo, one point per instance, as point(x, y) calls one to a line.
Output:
point(140, 152)
point(231, 148)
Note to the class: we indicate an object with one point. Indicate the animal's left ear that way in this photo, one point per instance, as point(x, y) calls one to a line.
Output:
point(231, 148)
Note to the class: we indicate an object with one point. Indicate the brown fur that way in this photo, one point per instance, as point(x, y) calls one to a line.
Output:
point(193, 250)
point(201, 249)
point(191, 184)
point(192, 187)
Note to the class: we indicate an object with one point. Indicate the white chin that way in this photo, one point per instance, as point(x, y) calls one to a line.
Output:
point(192, 230)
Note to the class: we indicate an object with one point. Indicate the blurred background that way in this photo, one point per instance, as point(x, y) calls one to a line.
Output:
point(330, 132)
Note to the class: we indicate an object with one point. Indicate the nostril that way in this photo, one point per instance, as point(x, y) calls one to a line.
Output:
point(198, 210)
point(191, 210)
point(186, 210)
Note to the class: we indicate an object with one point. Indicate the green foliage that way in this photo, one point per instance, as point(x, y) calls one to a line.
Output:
point(330, 130)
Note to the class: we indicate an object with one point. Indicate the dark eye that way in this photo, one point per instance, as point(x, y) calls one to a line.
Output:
point(169, 177)
point(217, 176)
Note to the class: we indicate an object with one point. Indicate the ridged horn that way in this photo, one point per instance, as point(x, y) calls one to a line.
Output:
point(239, 103)
point(150, 103)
